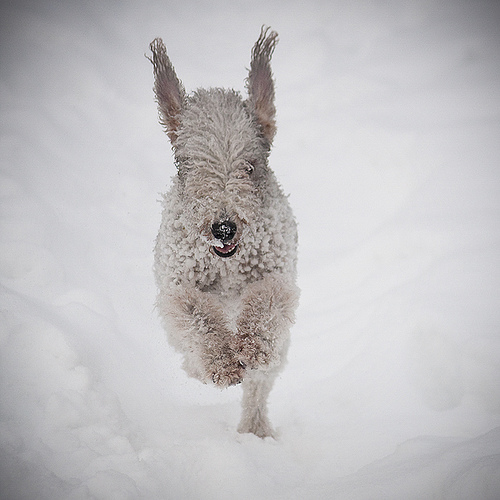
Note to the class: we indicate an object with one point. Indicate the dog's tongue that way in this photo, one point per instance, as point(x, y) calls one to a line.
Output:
point(226, 248)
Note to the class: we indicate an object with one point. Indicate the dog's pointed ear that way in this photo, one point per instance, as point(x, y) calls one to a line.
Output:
point(260, 83)
point(169, 91)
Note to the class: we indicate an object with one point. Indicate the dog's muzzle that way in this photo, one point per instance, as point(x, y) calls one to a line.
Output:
point(225, 231)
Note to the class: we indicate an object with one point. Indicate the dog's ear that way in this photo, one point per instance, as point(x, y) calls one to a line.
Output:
point(260, 82)
point(169, 91)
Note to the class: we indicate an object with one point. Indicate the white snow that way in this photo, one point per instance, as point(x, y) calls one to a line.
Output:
point(388, 141)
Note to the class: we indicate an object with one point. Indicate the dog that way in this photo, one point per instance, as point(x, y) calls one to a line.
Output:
point(226, 252)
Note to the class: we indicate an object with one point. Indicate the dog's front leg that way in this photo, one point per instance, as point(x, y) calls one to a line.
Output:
point(263, 325)
point(198, 328)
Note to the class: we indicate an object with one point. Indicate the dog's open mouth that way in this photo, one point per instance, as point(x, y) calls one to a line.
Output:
point(226, 250)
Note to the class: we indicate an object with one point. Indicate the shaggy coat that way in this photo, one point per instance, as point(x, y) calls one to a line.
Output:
point(225, 255)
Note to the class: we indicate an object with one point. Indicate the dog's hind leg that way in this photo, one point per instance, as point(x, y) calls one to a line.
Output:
point(254, 419)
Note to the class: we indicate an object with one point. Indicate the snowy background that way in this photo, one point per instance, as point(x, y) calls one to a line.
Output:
point(389, 144)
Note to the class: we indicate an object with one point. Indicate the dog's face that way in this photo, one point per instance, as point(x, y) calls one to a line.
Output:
point(221, 145)
point(222, 167)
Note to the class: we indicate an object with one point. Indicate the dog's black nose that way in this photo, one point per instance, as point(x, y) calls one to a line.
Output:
point(224, 230)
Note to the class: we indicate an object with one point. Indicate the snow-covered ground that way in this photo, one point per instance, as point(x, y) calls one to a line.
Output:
point(389, 143)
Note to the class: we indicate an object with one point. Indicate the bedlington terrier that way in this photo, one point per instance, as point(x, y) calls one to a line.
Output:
point(225, 255)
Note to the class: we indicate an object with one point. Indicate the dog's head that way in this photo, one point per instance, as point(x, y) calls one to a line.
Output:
point(221, 144)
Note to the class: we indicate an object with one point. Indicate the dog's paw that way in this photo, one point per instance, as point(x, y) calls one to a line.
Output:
point(226, 369)
point(253, 351)
point(228, 377)
point(256, 424)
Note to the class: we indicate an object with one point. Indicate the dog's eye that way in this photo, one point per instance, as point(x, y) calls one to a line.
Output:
point(244, 170)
